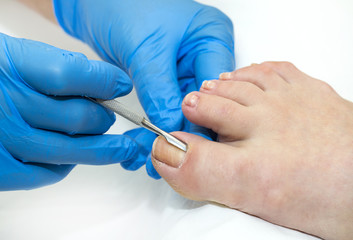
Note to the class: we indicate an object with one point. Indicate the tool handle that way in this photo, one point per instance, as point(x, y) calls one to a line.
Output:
point(122, 110)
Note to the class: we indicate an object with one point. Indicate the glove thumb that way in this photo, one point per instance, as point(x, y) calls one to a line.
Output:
point(155, 81)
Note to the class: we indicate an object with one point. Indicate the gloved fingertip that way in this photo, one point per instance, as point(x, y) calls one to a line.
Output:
point(133, 132)
point(121, 84)
point(151, 171)
point(122, 149)
point(170, 120)
point(209, 135)
point(124, 85)
point(112, 81)
point(132, 149)
point(200, 131)
point(135, 163)
point(143, 139)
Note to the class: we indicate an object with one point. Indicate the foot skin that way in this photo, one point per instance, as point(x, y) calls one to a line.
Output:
point(285, 150)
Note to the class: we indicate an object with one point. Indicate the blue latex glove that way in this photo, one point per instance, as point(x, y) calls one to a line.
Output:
point(166, 46)
point(46, 127)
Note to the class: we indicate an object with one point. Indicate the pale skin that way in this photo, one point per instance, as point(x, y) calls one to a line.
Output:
point(43, 7)
point(285, 150)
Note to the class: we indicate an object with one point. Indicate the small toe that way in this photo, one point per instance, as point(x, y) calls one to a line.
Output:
point(244, 93)
point(224, 116)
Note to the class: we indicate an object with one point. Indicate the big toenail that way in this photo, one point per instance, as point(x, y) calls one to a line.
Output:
point(191, 100)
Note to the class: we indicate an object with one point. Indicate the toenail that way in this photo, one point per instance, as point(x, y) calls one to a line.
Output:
point(225, 76)
point(166, 153)
point(208, 85)
point(191, 100)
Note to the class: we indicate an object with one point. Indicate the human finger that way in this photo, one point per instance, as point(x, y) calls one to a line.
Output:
point(71, 115)
point(155, 80)
point(16, 175)
point(54, 71)
point(144, 138)
point(208, 47)
point(36, 145)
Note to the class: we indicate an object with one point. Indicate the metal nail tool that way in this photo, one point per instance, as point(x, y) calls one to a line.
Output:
point(139, 120)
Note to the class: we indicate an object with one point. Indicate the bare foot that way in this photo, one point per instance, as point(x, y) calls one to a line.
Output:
point(285, 150)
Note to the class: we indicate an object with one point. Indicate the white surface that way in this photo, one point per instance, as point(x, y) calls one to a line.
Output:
point(110, 203)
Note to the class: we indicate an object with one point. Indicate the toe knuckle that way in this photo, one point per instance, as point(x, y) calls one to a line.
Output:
point(269, 64)
point(238, 74)
point(324, 86)
point(265, 70)
point(279, 65)
point(286, 65)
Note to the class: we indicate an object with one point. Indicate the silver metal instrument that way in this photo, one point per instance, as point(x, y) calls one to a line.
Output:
point(139, 120)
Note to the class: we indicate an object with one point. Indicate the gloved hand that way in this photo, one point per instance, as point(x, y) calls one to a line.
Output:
point(46, 127)
point(168, 47)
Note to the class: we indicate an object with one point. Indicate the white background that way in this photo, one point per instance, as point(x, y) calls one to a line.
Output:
point(110, 203)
